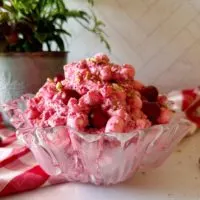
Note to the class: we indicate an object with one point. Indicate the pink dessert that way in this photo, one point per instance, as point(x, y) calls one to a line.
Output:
point(96, 96)
point(92, 124)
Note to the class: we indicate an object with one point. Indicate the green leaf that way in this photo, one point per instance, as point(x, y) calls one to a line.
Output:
point(59, 42)
point(91, 2)
point(27, 47)
point(48, 46)
point(56, 16)
point(78, 14)
point(41, 37)
point(4, 17)
point(62, 31)
point(60, 5)
point(42, 21)
point(40, 6)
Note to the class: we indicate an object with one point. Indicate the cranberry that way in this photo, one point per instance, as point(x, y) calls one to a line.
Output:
point(98, 118)
point(67, 94)
point(72, 93)
point(58, 78)
point(150, 93)
point(152, 110)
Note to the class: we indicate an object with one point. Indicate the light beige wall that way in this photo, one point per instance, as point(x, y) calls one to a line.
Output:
point(159, 37)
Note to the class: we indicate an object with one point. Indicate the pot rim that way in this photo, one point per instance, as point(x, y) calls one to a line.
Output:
point(35, 54)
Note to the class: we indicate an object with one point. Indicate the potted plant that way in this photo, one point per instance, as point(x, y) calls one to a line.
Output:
point(26, 27)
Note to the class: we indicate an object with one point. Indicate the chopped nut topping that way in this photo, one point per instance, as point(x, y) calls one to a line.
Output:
point(91, 60)
point(59, 86)
point(49, 80)
point(117, 87)
point(77, 79)
point(88, 76)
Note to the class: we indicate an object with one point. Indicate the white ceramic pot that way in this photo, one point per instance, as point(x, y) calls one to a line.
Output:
point(22, 73)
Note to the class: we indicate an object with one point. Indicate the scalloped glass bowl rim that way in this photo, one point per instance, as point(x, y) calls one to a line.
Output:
point(124, 136)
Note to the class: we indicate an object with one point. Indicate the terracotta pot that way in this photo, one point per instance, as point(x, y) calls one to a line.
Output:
point(22, 73)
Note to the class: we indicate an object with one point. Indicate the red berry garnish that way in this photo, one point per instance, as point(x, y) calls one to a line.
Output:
point(150, 93)
point(98, 118)
point(152, 110)
point(58, 78)
point(72, 93)
point(67, 94)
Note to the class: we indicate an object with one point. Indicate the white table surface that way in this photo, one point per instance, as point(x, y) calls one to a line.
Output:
point(177, 179)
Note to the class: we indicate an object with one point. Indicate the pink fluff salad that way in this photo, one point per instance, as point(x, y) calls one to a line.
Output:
point(97, 96)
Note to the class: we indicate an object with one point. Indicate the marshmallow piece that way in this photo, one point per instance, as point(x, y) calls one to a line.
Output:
point(138, 114)
point(115, 124)
point(56, 121)
point(92, 98)
point(105, 73)
point(138, 85)
point(82, 64)
point(135, 102)
point(120, 113)
point(101, 58)
point(140, 123)
point(165, 116)
point(73, 105)
point(106, 91)
point(77, 121)
point(127, 72)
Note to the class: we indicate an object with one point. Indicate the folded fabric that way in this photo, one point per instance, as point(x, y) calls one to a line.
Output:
point(20, 172)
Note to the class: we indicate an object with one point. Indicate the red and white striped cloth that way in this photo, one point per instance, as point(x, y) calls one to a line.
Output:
point(20, 172)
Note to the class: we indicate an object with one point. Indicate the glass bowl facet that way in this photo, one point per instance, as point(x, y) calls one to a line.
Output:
point(106, 158)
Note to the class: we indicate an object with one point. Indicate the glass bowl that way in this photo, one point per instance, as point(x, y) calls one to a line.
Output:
point(107, 158)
